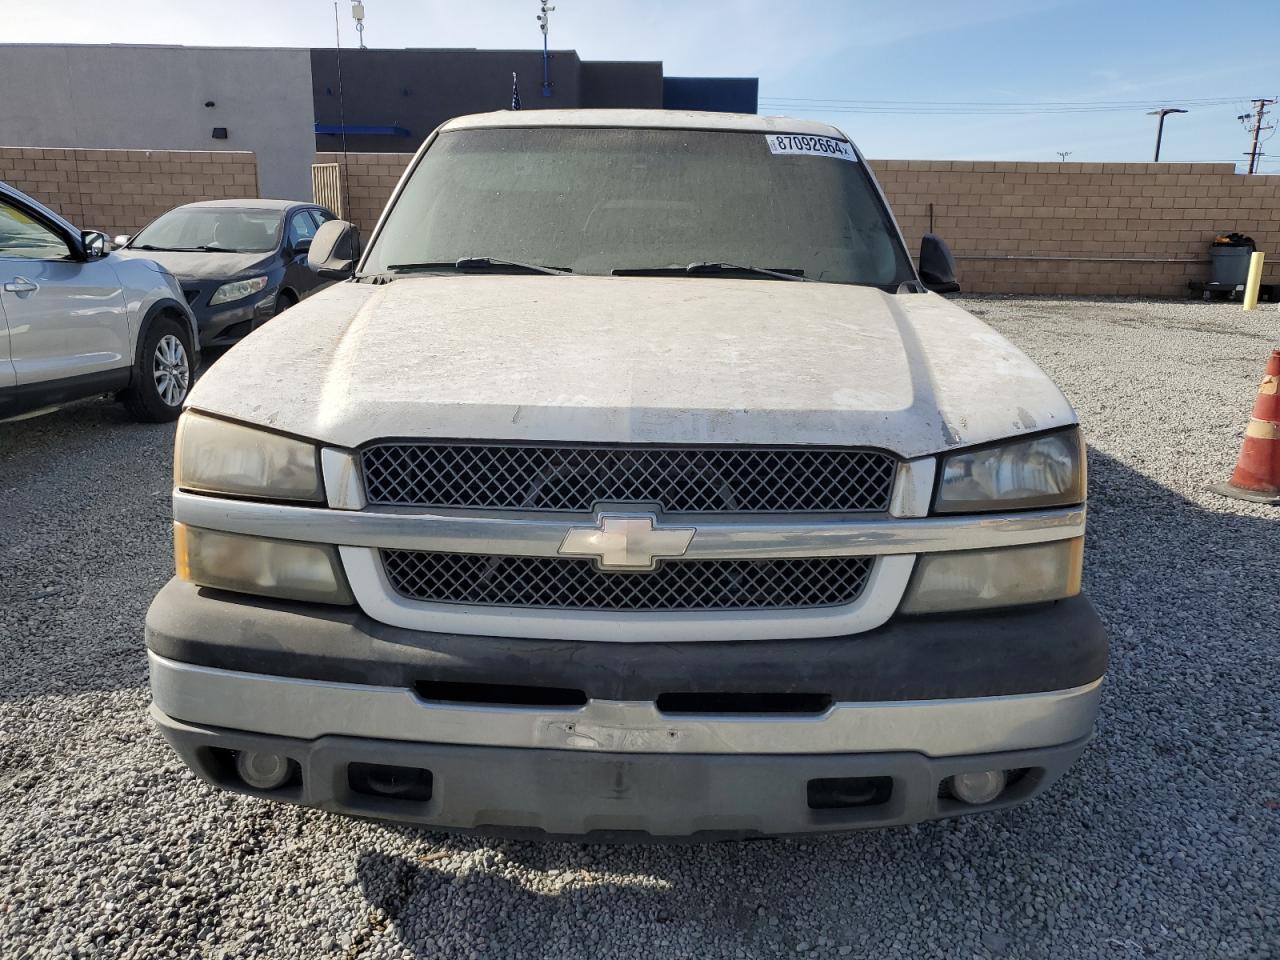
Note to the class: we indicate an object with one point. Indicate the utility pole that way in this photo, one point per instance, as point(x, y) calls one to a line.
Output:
point(1260, 112)
point(1162, 113)
point(1063, 154)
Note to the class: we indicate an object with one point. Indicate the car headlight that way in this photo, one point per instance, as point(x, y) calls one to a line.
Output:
point(216, 456)
point(1044, 471)
point(268, 568)
point(237, 290)
point(1004, 577)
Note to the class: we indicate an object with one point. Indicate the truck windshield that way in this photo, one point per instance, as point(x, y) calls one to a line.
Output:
point(596, 201)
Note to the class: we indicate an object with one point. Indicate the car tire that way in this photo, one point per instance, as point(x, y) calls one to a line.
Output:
point(163, 372)
point(284, 302)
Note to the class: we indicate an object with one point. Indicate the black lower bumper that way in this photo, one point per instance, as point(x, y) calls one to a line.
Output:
point(226, 325)
point(613, 797)
point(1047, 647)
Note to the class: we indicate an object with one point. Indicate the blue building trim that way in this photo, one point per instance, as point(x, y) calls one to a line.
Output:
point(355, 130)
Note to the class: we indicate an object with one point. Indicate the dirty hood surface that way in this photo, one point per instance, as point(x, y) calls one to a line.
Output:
point(630, 359)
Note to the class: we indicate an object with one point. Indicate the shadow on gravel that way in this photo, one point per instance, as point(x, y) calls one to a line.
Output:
point(30, 447)
point(500, 915)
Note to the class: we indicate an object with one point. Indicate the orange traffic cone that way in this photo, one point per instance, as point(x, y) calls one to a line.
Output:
point(1257, 473)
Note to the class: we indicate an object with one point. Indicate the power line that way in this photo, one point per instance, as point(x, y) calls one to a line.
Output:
point(954, 112)
point(976, 107)
point(1027, 103)
point(1097, 104)
point(927, 111)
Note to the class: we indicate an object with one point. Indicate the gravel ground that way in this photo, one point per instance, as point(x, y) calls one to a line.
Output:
point(1164, 841)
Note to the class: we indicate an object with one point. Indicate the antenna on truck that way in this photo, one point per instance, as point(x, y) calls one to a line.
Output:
point(342, 117)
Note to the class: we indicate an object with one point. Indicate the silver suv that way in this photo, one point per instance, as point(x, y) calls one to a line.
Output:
point(77, 321)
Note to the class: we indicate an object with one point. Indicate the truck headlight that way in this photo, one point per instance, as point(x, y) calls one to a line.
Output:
point(1044, 471)
point(1004, 577)
point(216, 456)
point(237, 290)
point(268, 568)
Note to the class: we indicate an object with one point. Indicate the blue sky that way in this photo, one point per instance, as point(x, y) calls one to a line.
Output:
point(1026, 52)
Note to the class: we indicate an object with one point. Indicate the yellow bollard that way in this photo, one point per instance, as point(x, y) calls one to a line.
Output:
point(1255, 280)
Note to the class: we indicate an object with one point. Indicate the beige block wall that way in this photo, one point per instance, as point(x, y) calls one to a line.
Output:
point(367, 179)
point(1140, 229)
point(120, 191)
point(1092, 228)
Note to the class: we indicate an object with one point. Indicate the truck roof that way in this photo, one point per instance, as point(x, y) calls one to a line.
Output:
point(668, 119)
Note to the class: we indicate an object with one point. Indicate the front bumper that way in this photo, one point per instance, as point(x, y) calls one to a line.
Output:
point(227, 323)
point(611, 796)
point(914, 701)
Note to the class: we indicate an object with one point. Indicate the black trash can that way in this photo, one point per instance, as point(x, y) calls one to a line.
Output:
point(1230, 254)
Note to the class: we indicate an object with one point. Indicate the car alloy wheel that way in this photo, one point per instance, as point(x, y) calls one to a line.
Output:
point(171, 370)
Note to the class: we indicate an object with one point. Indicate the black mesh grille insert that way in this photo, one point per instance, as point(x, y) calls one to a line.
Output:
point(504, 476)
point(576, 584)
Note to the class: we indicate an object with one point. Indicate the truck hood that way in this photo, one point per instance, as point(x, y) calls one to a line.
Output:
point(630, 359)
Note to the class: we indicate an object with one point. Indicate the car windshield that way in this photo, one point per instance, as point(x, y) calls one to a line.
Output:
point(629, 200)
point(213, 229)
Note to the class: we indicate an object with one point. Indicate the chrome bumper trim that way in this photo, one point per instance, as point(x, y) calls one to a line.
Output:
point(718, 538)
point(307, 709)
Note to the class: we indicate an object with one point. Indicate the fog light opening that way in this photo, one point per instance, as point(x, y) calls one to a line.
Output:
point(978, 786)
point(263, 771)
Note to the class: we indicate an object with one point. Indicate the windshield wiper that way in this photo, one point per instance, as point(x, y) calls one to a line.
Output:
point(478, 264)
point(704, 267)
point(203, 248)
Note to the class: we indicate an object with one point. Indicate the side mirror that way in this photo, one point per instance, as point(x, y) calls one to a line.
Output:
point(937, 265)
point(121, 240)
point(95, 243)
point(334, 249)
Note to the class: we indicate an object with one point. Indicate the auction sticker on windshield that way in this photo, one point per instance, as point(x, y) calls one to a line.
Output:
point(804, 145)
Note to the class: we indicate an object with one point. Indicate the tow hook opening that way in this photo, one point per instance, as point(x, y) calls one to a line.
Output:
point(390, 782)
point(843, 793)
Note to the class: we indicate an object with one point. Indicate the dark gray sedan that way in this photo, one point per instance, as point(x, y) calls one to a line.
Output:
point(239, 262)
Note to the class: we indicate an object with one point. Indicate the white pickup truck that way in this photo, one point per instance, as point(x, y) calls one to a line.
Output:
point(635, 484)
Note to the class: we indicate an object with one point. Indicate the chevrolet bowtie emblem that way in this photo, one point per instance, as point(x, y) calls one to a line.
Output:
point(626, 541)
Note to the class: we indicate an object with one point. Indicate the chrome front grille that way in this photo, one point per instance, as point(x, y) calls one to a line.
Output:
point(678, 479)
point(560, 583)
